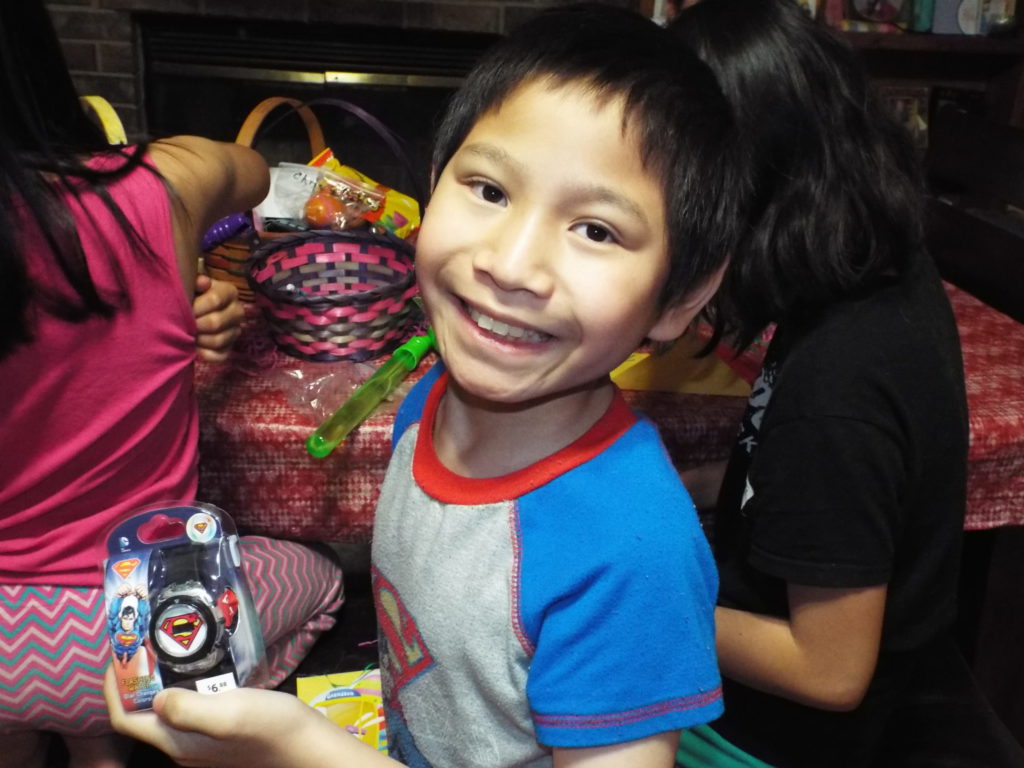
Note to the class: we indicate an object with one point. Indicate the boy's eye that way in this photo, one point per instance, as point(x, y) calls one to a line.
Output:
point(488, 192)
point(595, 233)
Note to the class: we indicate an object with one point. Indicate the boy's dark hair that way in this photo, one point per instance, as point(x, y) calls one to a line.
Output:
point(44, 136)
point(833, 188)
point(671, 99)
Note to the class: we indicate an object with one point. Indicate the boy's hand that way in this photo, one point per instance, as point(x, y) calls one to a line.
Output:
point(247, 728)
point(243, 727)
point(218, 314)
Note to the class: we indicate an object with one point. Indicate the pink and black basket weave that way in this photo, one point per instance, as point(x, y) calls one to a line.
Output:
point(332, 296)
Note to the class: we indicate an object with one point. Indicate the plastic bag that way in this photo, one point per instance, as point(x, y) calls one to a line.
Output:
point(398, 213)
point(339, 202)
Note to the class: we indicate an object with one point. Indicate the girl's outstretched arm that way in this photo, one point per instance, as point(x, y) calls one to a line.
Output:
point(208, 180)
point(823, 656)
point(247, 728)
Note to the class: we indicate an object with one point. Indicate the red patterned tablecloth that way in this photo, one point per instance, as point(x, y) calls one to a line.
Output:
point(254, 422)
point(993, 349)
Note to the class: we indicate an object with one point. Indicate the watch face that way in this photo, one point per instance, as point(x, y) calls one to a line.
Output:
point(185, 628)
point(181, 630)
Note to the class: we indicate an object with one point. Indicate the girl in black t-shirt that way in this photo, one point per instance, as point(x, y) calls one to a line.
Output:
point(839, 514)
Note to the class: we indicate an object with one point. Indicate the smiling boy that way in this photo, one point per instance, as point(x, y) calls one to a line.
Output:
point(544, 592)
point(531, 532)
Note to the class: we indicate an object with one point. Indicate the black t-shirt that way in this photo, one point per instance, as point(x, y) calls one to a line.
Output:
point(850, 472)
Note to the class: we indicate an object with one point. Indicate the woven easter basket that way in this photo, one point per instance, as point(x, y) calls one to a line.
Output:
point(330, 296)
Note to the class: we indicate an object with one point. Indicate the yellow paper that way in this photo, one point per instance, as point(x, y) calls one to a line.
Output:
point(677, 370)
point(351, 700)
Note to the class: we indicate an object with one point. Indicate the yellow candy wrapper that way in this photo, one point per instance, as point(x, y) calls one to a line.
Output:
point(351, 700)
point(399, 214)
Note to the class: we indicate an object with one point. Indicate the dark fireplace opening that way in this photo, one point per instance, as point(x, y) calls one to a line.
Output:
point(204, 76)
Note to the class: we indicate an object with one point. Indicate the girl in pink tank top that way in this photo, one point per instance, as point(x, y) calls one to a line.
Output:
point(97, 343)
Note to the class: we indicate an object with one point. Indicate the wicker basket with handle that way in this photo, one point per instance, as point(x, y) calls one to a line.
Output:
point(338, 295)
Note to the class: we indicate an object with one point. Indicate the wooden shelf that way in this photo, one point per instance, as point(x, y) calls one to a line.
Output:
point(992, 65)
point(928, 43)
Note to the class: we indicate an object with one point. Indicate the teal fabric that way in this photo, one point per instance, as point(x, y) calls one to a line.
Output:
point(702, 747)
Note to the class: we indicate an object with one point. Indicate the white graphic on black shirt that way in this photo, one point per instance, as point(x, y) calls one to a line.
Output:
point(750, 429)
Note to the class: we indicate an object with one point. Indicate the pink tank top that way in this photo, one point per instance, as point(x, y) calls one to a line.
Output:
point(99, 417)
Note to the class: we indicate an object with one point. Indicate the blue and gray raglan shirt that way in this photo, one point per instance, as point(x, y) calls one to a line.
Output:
point(569, 604)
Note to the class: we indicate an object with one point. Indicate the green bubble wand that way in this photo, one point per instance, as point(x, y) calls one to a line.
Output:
point(368, 396)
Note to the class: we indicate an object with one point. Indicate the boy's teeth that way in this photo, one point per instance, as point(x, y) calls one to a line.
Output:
point(499, 328)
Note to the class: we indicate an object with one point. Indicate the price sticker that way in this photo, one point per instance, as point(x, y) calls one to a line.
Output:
point(217, 683)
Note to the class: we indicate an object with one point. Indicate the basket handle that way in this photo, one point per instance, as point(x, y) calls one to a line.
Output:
point(111, 123)
point(252, 123)
point(393, 140)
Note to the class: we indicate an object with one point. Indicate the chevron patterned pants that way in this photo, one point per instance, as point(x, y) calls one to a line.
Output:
point(54, 645)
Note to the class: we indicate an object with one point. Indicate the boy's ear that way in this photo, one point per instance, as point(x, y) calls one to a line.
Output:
point(674, 320)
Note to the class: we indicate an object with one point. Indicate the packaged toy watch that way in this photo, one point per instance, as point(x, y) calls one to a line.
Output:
point(179, 611)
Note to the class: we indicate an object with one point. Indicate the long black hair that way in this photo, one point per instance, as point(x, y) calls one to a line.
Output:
point(833, 190)
point(46, 137)
point(682, 120)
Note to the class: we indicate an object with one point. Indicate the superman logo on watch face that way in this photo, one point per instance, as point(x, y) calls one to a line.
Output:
point(183, 625)
point(183, 629)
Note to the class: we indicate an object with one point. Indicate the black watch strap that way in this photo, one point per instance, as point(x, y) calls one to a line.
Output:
point(186, 625)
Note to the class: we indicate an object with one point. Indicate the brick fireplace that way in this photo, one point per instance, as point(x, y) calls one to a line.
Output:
point(102, 39)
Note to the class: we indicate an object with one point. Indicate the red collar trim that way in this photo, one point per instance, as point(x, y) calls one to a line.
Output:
point(446, 486)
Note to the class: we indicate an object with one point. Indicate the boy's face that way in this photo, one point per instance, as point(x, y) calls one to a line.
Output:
point(543, 249)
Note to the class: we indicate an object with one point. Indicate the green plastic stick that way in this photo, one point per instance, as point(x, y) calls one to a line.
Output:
point(368, 396)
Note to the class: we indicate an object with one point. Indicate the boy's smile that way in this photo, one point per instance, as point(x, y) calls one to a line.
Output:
point(543, 252)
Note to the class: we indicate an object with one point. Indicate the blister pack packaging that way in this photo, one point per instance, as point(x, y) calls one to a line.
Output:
point(179, 610)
